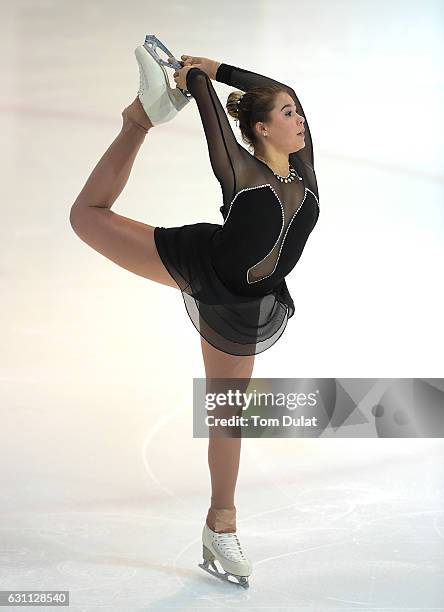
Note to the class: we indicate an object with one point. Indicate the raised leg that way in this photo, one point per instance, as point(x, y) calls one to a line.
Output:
point(127, 242)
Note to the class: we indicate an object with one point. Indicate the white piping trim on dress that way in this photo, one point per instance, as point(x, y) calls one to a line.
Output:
point(245, 189)
point(282, 244)
point(283, 223)
point(313, 194)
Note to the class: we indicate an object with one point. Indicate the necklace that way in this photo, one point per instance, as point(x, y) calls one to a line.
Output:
point(291, 176)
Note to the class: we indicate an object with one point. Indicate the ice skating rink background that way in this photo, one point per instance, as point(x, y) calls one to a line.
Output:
point(103, 490)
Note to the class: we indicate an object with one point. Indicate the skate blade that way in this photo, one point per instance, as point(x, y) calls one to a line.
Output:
point(151, 43)
point(241, 581)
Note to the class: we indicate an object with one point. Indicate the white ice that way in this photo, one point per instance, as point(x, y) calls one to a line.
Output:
point(103, 489)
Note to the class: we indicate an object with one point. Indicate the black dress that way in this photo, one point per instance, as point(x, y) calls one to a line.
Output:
point(232, 276)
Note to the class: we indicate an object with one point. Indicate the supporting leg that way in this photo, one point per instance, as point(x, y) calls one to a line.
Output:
point(223, 461)
point(224, 452)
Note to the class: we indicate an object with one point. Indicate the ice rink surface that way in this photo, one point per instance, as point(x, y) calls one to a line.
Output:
point(103, 489)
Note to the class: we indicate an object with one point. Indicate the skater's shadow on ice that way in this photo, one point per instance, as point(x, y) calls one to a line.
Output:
point(198, 588)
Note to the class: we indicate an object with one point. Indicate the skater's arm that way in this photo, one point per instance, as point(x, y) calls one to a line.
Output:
point(223, 148)
point(246, 80)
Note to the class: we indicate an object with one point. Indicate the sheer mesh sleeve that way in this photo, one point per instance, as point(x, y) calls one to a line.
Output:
point(245, 80)
point(223, 148)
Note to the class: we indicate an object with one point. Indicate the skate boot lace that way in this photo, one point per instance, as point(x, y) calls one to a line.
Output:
point(230, 546)
point(140, 81)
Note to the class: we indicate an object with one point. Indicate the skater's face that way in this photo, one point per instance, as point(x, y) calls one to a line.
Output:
point(283, 127)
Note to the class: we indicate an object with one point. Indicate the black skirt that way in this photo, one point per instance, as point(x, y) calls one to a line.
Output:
point(233, 323)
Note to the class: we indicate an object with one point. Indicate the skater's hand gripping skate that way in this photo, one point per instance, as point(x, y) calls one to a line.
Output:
point(209, 66)
point(180, 76)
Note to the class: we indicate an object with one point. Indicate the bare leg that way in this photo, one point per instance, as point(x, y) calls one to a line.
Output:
point(223, 461)
point(224, 452)
point(111, 174)
point(126, 242)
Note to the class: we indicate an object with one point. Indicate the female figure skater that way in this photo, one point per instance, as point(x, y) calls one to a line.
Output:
point(231, 276)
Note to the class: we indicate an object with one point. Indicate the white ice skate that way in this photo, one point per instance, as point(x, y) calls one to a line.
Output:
point(159, 100)
point(226, 549)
